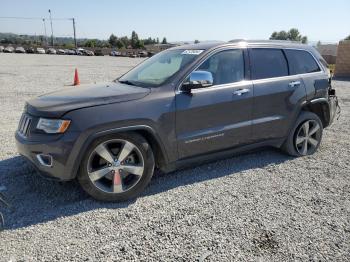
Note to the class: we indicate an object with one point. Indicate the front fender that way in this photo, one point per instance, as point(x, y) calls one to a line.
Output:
point(84, 141)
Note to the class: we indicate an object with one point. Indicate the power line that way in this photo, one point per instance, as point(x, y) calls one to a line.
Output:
point(32, 18)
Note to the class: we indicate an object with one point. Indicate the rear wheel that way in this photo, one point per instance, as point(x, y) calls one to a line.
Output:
point(117, 167)
point(306, 135)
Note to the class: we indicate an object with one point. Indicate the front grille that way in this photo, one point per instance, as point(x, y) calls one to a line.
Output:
point(24, 125)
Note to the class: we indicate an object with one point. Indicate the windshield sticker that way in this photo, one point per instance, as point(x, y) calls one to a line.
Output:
point(192, 52)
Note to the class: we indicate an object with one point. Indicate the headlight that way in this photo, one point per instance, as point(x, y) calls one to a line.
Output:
point(53, 126)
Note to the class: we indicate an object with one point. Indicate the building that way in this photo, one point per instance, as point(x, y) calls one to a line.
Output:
point(328, 52)
point(342, 66)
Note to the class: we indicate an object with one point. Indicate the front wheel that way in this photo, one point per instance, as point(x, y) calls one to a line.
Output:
point(306, 135)
point(117, 167)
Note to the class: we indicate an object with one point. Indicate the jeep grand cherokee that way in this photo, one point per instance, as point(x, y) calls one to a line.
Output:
point(185, 105)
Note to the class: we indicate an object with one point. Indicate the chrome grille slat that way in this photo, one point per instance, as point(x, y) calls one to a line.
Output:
point(24, 125)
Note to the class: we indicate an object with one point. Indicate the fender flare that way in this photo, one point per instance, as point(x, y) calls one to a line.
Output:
point(117, 130)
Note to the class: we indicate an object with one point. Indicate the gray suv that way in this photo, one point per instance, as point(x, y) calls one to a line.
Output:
point(184, 106)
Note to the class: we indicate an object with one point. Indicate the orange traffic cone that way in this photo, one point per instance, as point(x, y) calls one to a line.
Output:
point(76, 78)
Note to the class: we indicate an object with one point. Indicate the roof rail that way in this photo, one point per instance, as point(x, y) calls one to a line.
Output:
point(264, 41)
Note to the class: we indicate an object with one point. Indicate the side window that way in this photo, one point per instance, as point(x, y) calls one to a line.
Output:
point(226, 66)
point(267, 63)
point(301, 62)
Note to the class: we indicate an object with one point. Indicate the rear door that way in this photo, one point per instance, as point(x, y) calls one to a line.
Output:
point(219, 116)
point(276, 93)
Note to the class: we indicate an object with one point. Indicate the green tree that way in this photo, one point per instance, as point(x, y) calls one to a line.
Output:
point(125, 40)
point(196, 41)
point(164, 41)
point(347, 38)
point(112, 40)
point(140, 44)
point(134, 40)
point(157, 40)
point(292, 35)
point(91, 43)
point(282, 35)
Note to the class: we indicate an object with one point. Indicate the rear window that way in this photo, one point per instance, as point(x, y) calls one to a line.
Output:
point(267, 63)
point(301, 62)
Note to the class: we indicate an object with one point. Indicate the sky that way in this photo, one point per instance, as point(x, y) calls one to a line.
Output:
point(181, 20)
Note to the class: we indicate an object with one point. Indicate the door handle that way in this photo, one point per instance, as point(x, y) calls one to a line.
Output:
point(294, 83)
point(239, 92)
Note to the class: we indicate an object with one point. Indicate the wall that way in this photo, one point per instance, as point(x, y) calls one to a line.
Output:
point(342, 67)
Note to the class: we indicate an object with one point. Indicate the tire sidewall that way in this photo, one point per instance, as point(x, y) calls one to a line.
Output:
point(289, 145)
point(149, 164)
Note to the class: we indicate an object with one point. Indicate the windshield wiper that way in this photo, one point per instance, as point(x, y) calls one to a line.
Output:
point(127, 82)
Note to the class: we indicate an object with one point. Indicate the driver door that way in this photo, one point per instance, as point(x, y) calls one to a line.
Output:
point(217, 117)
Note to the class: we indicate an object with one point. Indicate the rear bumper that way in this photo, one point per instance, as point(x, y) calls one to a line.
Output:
point(59, 151)
point(334, 108)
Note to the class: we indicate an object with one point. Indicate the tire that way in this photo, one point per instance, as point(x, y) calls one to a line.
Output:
point(302, 140)
point(123, 172)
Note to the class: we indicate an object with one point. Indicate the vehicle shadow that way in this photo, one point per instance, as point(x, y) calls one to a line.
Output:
point(36, 200)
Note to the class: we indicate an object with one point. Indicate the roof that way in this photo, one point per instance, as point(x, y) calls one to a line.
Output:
point(240, 42)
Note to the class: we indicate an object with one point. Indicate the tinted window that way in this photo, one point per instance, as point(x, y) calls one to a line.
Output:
point(301, 62)
point(226, 66)
point(267, 63)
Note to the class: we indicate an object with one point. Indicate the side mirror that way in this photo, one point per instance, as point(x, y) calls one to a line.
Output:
point(197, 79)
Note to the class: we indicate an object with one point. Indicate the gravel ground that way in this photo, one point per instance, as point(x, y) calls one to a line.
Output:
point(261, 206)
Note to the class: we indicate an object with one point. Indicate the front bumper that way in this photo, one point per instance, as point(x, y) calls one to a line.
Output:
point(59, 150)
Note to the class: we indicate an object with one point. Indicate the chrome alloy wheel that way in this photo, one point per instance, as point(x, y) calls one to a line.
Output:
point(115, 166)
point(308, 137)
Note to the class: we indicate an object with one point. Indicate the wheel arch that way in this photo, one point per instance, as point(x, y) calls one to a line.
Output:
point(320, 107)
point(147, 132)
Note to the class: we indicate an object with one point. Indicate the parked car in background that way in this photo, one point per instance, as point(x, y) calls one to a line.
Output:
point(150, 54)
point(115, 53)
point(132, 55)
point(143, 54)
point(98, 52)
point(79, 51)
point(20, 49)
point(61, 52)
point(1, 48)
point(40, 50)
point(88, 53)
point(71, 52)
point(30, 50)
point(51, 51)
point(9, 49)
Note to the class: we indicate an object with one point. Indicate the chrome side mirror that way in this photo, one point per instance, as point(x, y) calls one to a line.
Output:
point(197, 79)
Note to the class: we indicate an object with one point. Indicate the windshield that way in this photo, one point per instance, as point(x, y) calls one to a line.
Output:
point(156, 70)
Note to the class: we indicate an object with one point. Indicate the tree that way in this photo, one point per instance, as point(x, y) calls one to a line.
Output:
point(164, 41)
point(113, 40)
point(134, 39)
point(125, 40)
point(347, 38)
point(282, 35)
point(119, 44)
point(91, 43)
point(157, 40)
point(292, 35)
point(196, 41)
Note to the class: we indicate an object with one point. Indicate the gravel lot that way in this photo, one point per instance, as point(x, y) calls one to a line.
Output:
point(261, 206)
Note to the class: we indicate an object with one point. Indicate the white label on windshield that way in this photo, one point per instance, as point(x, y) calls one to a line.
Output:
point(192, 52)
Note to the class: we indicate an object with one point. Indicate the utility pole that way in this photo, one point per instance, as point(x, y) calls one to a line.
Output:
point(52, 43)
point(45, 31)
point(75, 36)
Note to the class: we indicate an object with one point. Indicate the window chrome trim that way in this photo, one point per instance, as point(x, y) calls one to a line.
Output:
point(222, 86)
point(227, 48)
point(300, 75)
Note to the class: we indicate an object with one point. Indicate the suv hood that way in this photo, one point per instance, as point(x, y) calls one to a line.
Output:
point(57, 103)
